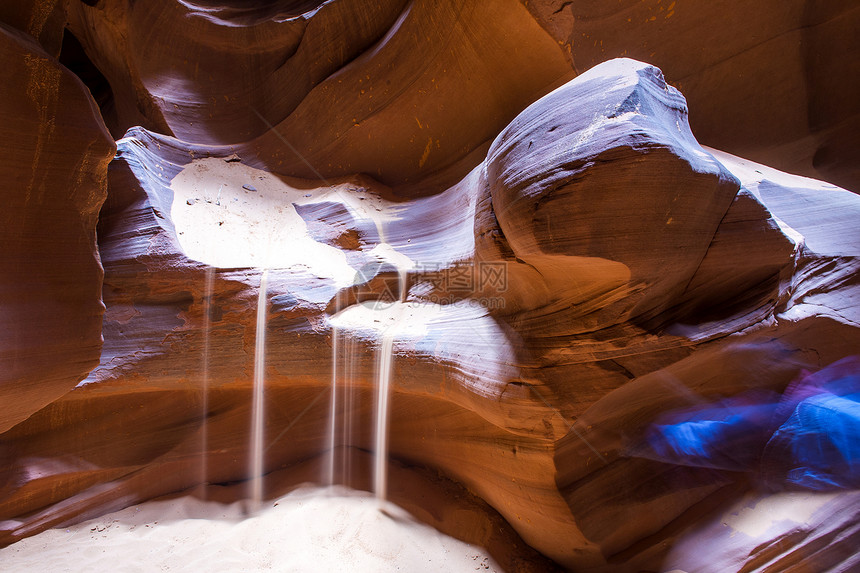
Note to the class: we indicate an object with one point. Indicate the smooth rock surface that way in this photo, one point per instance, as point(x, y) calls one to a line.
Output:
point(483, 393)
point(777, 82)
point(54, 154)
point(363, 74)
point(609, 196)
point(550, 283)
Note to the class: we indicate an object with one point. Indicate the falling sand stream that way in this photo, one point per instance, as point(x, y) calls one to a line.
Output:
point(332, 414)
point(392, 310)
point(208, 288)
point(384, 367)
point(224, 215)
point(258, 406)
point(230, 215)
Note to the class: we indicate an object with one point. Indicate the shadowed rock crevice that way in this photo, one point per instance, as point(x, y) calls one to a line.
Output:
point(73, 56)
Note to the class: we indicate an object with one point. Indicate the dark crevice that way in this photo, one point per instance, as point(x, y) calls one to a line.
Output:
point(73, 56)
point(562, 7)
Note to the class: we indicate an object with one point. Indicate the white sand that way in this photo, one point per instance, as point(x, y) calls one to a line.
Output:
point(310, 529)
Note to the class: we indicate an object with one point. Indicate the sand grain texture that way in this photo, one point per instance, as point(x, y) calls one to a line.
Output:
point(309, 529)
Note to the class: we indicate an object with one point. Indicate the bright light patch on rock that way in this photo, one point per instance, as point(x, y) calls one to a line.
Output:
point(230, 215)
point(757, 518)
point(406, 320)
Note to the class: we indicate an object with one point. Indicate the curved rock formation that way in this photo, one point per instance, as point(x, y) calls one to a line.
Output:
point(601, 187)
point(550, 284)
point(368, 94)
point(776, 82)
point(55, 151)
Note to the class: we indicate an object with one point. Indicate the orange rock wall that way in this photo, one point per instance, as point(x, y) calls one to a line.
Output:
point(643, 269)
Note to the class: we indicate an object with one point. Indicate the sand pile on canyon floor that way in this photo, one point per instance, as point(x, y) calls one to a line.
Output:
point(309, 529)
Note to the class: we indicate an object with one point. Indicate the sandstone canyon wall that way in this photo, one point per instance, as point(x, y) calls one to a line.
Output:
point(564, 270)
point(55, 156)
